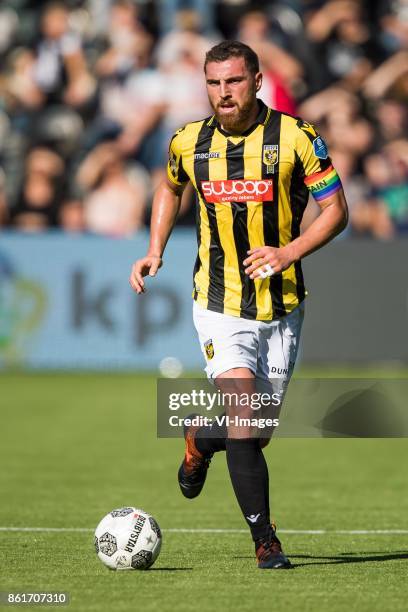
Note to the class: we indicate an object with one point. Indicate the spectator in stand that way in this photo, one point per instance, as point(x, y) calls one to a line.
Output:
point(347, 49)
point(390, 118)
point(61, 71)
point(23, 101)
point(20, 89)
point(129, 43)
point(131, 93)
point(41, 192)
point(131, 111)
point(338, 113)
point(391, 78)
point(394, 24)
point(115, 193)
point(372, 216)
point(387, 173)
point(180, 57)
point(281, 71)
point(169, 11)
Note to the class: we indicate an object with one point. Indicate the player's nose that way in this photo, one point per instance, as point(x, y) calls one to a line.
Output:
point(224, 90)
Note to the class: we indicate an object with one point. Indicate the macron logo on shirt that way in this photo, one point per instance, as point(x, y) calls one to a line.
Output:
point(210, 155)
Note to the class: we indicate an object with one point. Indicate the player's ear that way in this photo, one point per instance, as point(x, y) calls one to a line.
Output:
point(258, 80)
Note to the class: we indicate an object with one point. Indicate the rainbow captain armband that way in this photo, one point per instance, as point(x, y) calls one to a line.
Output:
point(323, 184)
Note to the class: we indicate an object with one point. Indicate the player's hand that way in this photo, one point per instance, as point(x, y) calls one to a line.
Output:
point(263, 260)
point(142, 267)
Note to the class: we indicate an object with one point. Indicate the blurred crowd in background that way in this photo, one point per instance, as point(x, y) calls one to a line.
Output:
point(92, 90)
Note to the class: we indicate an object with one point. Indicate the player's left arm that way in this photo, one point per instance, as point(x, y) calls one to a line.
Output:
point(323, 182)
point(331, 221)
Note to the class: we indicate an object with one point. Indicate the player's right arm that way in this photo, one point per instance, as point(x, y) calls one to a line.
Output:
point(166, 204)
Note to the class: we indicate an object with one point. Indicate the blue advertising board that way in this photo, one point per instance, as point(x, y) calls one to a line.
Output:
point(65, 302)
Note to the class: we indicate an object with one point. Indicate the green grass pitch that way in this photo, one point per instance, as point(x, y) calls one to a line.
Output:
point(75, 446)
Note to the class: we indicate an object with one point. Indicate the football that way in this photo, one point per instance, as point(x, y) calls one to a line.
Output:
point(128, 539)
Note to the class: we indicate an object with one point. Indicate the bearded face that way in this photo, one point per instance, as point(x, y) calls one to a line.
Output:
point(232, 91)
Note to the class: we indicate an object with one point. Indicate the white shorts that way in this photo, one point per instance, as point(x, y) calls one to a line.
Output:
point(267, 348)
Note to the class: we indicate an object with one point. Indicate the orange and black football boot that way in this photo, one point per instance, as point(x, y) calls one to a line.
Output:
point(269, 552)
point(193, 470)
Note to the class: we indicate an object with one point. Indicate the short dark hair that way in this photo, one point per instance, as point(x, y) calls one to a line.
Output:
point(233, 48)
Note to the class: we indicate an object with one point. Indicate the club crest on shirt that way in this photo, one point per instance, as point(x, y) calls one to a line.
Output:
point(209, 349)
point(270, 157)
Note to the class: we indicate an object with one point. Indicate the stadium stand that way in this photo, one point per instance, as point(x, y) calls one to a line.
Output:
point(90, 92)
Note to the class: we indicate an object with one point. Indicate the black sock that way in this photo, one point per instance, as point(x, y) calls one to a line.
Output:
point(249, 477)
point(210, 439)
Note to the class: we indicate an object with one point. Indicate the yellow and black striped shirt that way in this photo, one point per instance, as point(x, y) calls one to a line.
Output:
point(252, 191)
